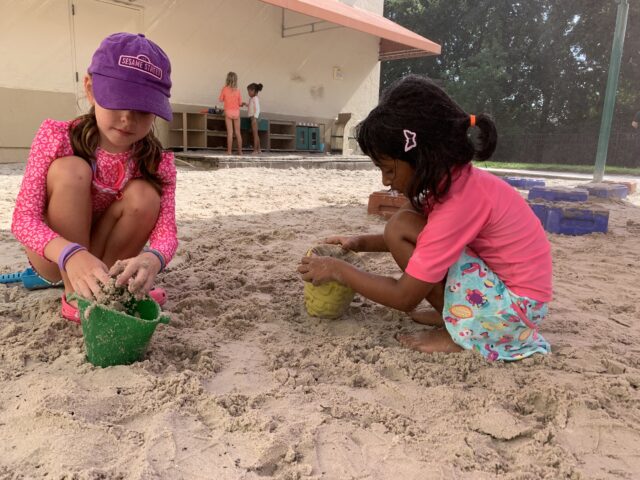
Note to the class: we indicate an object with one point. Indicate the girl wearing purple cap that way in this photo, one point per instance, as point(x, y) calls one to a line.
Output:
point(98, 188)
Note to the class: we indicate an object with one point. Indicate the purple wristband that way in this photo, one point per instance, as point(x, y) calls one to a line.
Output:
point(67, 252)
point(163, 263)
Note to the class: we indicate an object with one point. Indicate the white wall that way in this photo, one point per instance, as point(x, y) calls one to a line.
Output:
point(204, 39)
point(212, 37)
point(35, 45)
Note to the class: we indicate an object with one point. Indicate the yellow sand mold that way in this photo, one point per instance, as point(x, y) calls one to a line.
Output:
point(329, 300)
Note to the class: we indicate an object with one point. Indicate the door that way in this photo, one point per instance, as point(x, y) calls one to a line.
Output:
point(302, 138)
point(93, 20)
point(314, 138)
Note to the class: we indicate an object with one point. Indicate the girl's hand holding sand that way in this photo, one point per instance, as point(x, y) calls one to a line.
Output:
point(347, 243)
point(319, 270)
point(139, 272)
point(85, 272)
point(359, 243)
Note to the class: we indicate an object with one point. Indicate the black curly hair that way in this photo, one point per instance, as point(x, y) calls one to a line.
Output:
point(441, 126)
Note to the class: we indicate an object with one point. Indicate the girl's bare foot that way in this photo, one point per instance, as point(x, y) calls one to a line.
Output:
point(427, 317)
point(430, 341)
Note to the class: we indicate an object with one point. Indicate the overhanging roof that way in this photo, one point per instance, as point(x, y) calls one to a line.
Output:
point(395, 41)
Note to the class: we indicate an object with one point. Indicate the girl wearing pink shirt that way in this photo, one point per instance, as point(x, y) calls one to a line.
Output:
point(98, 188)
point(466, 241)
point(232, 99)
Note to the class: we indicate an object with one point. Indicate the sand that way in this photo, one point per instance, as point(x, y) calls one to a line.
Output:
point(243, 384)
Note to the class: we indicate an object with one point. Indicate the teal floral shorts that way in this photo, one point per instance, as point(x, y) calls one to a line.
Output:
point(481, 313)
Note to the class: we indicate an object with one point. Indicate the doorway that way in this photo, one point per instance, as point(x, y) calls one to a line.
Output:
point(92, 21)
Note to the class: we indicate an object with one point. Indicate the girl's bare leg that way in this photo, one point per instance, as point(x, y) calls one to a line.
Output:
point(236, 127)
point(68, 211)
point(400, 235)
point(256, 136)
point(229, 124)
point(122, 231)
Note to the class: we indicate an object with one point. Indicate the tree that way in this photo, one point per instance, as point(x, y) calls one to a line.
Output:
point(538, 65)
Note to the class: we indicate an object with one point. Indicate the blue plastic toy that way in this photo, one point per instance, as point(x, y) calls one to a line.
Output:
point(540, 211)
point(607, 190)
point(576, 221)
point(559, 194)
point(571, 221)
point(524, 183)
point(29, 278)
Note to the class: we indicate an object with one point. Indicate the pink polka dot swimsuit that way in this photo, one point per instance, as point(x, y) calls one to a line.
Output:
point(111, 173)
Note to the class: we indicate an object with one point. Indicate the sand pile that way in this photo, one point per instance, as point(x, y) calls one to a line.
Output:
point(245, 384)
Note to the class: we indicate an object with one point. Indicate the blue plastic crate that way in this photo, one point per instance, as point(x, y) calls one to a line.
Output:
point(540, 211)
point(607, 190)
point(559, 194)
point(524, 183)
point(576, 221)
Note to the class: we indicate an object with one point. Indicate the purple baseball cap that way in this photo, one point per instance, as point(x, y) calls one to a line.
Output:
point(130, 72)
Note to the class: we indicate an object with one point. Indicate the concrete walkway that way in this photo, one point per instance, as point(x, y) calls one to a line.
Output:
point(559, 175)
point(210, 159)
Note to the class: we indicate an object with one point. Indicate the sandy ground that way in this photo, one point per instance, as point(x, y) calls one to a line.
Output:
point(243, 384)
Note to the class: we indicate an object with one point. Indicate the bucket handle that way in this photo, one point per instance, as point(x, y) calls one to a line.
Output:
point(164, 319)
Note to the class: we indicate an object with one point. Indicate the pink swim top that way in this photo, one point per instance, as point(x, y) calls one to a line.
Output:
point(489, 216)
point(232, 100)
point(112, 171)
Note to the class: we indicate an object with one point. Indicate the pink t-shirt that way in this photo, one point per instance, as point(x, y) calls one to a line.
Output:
point(489, 216)
point(232, 100)
point(112, 171)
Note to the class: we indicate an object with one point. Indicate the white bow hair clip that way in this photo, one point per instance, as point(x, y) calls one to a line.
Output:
point(410, 140)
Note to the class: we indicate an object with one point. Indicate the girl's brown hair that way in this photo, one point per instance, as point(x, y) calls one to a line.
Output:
point(147, 153)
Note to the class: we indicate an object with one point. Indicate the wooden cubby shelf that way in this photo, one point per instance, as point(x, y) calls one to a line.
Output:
point(282, 135)
point(208, 131)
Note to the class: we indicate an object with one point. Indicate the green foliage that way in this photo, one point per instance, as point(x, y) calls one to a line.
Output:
point(554, 167)
point(538, 65)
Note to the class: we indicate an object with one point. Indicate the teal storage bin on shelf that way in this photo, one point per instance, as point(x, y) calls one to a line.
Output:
point(307, 138)
point(314, 138)
point(302, 138)
point(263, 124)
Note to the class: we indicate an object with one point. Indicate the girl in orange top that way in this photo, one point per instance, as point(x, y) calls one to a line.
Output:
point(232, 99)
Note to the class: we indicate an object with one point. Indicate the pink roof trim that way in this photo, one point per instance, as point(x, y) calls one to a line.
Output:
point(339, 13)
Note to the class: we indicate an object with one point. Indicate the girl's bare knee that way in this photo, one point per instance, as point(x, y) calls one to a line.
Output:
point(404, 225)
point(141, 199)
point(69, 172)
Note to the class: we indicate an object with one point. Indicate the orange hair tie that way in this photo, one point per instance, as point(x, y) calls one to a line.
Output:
point(472, 120)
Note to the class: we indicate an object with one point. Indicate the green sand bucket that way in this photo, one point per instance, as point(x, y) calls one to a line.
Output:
point(118, 338)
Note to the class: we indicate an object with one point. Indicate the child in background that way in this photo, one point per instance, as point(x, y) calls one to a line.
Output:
point(254, 114)
point(230, 96)
point(466, 241)
point(97, 188)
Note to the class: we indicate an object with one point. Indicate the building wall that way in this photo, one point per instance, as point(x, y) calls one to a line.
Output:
point(36, 74)
point(204, 39)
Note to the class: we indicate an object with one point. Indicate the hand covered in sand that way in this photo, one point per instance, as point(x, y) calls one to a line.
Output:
point(347, 243)
point(319, 270)
point(84, 272)
point(138, 272)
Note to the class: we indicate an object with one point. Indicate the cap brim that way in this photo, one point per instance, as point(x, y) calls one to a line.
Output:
point(116, 94)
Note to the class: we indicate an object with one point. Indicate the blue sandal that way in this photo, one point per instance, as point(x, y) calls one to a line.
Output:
point(30, 280)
